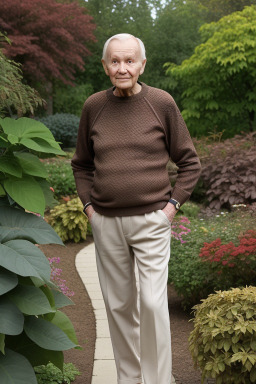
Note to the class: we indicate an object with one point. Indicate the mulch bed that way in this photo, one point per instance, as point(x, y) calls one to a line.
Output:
point(83, 319)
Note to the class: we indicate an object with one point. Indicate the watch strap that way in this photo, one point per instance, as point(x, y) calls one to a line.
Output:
point(175, 203)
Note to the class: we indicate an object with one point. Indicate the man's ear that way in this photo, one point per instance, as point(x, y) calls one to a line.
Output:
point(105, 67)
point(143, 66)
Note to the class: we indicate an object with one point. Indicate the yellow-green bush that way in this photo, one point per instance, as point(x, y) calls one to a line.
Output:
point(69, 221)
point(223, 342)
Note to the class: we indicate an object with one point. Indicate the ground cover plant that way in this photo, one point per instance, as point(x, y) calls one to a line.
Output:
point(223, 342)
point(49, 374)
point(194, 278)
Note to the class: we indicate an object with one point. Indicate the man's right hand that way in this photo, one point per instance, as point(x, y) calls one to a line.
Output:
point(90, 212)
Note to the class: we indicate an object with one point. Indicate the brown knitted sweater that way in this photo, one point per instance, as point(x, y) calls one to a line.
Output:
point(123, 146)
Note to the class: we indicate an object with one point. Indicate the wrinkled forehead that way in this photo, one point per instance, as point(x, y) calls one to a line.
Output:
point(123, 48)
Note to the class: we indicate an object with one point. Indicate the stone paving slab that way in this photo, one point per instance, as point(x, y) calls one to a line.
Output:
point(104, 372)
point(104, 369)
point(100, 314)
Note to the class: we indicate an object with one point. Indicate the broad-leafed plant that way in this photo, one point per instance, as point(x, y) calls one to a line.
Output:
point(22, 174)
point(223, 342)
point(32, 329)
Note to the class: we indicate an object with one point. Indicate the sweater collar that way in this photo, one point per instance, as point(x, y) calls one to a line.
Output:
point(127, 99)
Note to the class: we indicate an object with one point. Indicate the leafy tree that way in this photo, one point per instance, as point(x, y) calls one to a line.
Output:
point(176, 34)
point(220, 77)
point(14, 95)
point(48, 38)
point(215, 9)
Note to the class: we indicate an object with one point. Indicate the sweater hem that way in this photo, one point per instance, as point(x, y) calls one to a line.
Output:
point(129, 211)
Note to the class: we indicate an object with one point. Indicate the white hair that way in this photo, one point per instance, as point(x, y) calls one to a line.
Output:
point(124, 36)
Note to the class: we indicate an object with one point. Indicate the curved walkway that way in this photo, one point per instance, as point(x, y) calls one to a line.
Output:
point(104, 370)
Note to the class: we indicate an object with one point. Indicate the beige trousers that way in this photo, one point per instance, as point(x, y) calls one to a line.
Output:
point(138, 314)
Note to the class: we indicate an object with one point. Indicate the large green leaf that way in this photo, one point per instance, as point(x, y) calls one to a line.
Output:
point(39, 283)
point(25, 127)
point(2, 343)
point(60, 299)
point(49, 294)
point(3, 141)
point(63, 322)
point(30, 164)
point(50, 201)
point(47, 335)
point(31, 133)
point(8, 281)
point(2, 191)
point(11, 320)
point(17, 224)
point(35, 354)
point(25, 259)
point(26, 192)
point(10, 165)
point(41, 145)
point(15, 369)
point(30, 300)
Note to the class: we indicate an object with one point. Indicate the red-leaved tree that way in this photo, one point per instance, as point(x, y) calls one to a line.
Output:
point(48, 38)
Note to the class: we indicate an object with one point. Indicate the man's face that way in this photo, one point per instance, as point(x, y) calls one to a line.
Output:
point(124, 64)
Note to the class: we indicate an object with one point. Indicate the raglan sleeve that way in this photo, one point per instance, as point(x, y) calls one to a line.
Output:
point(182, 153)
point(82, 162)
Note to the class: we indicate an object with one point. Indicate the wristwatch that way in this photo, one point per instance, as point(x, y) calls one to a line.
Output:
point(85, 206)
point(175, 203)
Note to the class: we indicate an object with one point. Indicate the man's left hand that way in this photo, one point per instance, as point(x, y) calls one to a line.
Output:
point(170, 211)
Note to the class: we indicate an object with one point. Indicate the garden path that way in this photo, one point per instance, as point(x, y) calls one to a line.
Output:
point(104, 365)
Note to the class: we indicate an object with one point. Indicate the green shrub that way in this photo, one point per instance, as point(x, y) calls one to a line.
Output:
point(192, 278)
point(68, 99)
point(223, 341)
point(69, 221)
point(64, 127)
point(60, 177)
point(49, 374)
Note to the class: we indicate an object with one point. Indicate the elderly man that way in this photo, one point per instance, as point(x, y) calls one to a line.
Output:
point(126, 136)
